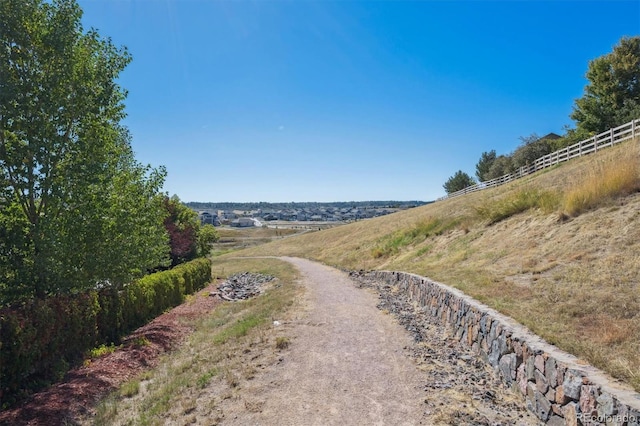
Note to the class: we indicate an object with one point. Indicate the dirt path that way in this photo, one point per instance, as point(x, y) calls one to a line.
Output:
point(346, 364)
point(349, 363)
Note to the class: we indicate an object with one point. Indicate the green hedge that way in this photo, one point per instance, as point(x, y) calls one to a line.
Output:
point(41, 339)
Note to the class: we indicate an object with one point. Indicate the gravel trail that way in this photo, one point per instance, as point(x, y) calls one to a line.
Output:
point(346, 364)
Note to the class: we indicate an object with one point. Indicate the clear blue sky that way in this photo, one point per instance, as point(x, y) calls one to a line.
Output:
point(346, 100)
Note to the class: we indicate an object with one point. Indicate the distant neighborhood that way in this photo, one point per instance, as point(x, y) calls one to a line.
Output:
point(306, 212)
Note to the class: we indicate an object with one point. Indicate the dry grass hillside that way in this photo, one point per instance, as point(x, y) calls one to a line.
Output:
point(559, 251)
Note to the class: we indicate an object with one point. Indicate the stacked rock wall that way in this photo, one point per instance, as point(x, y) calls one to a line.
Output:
point(557, 387)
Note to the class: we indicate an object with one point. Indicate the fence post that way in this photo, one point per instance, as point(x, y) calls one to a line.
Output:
point(595, 143)
point(611, 136)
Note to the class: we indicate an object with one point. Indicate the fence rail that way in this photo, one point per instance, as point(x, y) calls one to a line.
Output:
point(605, 139)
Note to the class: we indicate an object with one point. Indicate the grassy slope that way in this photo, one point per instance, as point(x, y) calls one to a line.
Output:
point(566, 266)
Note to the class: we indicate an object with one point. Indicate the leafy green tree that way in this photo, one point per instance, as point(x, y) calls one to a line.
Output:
point(502, 165)
point(15, 248)
point(532, 148)
point(612, 96)
point(484, 164)
point(76, 206)
point(207, 235)
point(458, 181)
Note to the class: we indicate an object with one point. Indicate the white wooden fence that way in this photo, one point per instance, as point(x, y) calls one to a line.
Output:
point(593, 144)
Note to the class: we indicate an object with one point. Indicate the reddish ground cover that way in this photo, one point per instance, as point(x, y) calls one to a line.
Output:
point(82, 387)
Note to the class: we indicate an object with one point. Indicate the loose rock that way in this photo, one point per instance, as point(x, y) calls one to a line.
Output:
point(456, 372)
point(242, 286)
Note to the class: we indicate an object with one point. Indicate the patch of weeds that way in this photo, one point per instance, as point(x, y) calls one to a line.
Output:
point(140, 341)
point(548, 201)
point(130, 388)
point(102, 350)
point(282, 342)
point(146, 375)
point(424, 250)
point(432, 227)
point(106, 411)
point(184, 367)
point(494, 211)
point(239, 329)
point(162, 396)
point(220, 319)
point(377, 253)
point(216, 253)
point(203, 380)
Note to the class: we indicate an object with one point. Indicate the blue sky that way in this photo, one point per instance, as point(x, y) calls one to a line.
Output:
point(346, 100)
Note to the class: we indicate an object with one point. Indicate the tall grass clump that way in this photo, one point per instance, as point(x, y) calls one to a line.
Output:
point(604, 182)
point(517, 202)
point(431, 227)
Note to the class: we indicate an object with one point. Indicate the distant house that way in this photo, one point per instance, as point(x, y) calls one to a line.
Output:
point(208, 218)
point(243, 222)
point(227, 214)
point(286, 215)
point(551, 136)
point(369, 214)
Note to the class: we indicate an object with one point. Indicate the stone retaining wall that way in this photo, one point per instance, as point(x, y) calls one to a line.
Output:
point(557, 387)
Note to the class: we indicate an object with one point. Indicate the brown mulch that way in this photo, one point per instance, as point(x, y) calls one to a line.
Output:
point(84, 386)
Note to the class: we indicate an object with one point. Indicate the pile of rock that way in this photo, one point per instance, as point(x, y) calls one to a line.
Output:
point(242, 286)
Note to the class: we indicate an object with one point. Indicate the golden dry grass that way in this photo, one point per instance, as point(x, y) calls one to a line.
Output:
point(572, 280)
point(253, 232)
point(605, 181)
point(232, 239)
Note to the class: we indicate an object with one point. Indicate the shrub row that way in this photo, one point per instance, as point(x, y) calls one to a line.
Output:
point(41, 339)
